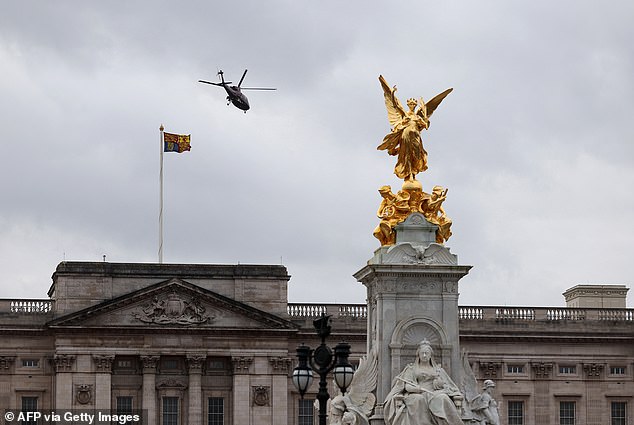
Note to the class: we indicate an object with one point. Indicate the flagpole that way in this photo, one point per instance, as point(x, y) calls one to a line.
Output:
point(160, 250)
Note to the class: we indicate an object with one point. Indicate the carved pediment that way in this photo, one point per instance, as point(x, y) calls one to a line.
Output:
point(173, 303)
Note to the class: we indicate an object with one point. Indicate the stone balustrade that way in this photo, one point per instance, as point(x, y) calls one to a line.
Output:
point(305, 311)
point(26, 306)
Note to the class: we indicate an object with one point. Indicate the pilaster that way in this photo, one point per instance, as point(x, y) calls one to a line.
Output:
point(103, 381)
point(63, 364)
point(241, 389)
point(280, 368)
point(195, 368)
point(149, 386)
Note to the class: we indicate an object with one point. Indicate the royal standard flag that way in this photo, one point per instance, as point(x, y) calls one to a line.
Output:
point(176, 142)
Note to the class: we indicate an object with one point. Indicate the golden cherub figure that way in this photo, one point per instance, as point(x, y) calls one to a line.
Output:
point(405, 139)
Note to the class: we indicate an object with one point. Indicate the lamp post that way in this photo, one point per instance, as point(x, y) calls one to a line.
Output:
point(322, 361)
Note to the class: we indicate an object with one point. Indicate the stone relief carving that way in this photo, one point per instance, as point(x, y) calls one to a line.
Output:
point(103, 363)
point(280, 364)
point(241, 364)
point(542, 370)
point(6, 362)
point(195, 363)
point(490, 369)
point(173, 309)
point(64, 362)
point(408, 253)
point(261, 395)
point(171, 383)
point(149, 363)
point(593, 370)
point(83, 394)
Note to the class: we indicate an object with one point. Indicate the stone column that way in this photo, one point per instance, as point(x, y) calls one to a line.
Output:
point(412, 289)
point(280, 367)
point(241, 390)
point(149, 387)
point(195, 368)
point(63, 381)
point(6, 367)
point(103, 381)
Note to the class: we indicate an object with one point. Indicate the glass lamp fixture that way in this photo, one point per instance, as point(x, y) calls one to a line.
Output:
point(343, 371)
point(302, 374)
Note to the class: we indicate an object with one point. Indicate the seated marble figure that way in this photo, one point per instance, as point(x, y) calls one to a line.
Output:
point(423, 394)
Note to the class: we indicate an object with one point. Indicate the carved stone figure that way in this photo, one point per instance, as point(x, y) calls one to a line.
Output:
point(423, 394)
point(405, 139)
point(173, 309)
point(355, 406)
point(479, 408)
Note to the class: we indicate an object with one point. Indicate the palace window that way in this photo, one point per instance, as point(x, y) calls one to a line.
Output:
point(567, 413)
point(171, 364)
point(515, 411)
point(124, 405)
point(567, 370)
point(306, 412)
point(618, 413)
point(30, 363)
point(515, 368)
point(617, 370)
point(216, 411)
point(29, 404)
point(170, 411)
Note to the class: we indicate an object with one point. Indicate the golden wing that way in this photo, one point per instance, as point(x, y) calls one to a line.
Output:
point(431, 106)
point(395, 111)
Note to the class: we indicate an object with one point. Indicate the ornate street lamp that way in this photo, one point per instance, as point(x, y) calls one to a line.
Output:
point(322, 360)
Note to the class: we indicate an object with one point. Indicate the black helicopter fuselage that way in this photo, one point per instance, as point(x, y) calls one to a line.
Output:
point(235, 96)
point(234, 93)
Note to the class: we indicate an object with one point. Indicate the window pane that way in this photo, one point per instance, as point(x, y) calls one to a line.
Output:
point(306, 412)
point(216, 411)
point(515, 369)
point(124, 405)
point(29, 404)
point(618, 412)
point(170, 410)
point(567, 413)
point(516, 412)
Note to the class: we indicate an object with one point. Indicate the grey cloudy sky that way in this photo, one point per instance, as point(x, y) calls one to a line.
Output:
point(535, 143)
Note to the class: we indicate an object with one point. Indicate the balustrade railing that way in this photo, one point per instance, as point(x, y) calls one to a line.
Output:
point(545, 313)
point(26, 306)
point(336, 310)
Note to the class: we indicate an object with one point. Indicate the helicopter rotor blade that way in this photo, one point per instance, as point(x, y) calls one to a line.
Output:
point(256, 88)
point(214, 84)
point(241, 79)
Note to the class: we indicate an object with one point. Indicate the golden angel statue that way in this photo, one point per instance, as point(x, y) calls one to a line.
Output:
point(405, 139)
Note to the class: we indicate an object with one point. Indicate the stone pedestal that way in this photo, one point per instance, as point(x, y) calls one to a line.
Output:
point(412, 289)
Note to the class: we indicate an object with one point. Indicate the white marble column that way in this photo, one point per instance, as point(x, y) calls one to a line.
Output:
point(195, 368)
point(103, 381)
point(63, 381)
point(241, 390)
point(149, 387)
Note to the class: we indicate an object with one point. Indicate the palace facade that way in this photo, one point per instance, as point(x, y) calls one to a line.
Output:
point(215, 344)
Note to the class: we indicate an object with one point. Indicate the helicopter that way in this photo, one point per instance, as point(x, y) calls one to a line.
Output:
point(234, 93)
